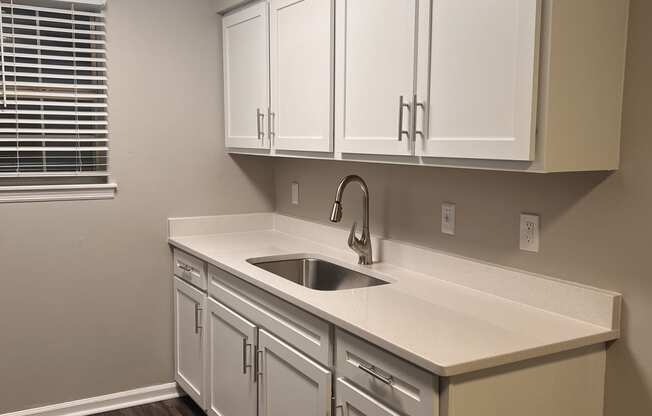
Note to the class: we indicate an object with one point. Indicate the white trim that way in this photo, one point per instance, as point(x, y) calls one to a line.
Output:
point(106, 403)
point(42, 193)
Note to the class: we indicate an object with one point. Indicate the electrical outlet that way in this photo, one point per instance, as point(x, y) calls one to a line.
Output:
point(529, 231)
point(294, 191)
point(448, 218)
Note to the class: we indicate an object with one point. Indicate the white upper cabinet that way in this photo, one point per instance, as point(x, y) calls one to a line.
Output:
point(482, 79)
point(246, 77)
point(301, 50)
point(375, 68)
point(488, 84)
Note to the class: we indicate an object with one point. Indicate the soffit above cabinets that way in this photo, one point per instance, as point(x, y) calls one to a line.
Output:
point(509, 86)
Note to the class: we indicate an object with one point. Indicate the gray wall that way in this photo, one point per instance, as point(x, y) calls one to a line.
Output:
point(85, 287)
point(595, 226)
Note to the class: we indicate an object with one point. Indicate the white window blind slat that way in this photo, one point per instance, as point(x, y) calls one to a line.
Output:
point(53, 48)
point(49, 76)
point(53, 103)
point(57, 85)
point(77, 31)
point(18, 6)
point(62, 67)
point(46, 57)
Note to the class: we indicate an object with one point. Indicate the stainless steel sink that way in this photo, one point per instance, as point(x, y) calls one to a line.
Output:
point(317, 274)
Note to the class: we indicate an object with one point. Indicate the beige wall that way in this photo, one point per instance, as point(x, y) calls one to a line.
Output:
point(596, 227)
point(85, 288)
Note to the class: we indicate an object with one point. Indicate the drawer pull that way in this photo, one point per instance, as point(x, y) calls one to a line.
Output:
point(373, 371)
point(184, 267)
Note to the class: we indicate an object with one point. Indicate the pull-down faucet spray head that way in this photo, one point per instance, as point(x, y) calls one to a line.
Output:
point(336, 213)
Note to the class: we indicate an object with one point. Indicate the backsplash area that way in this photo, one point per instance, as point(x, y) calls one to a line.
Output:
point(586, 234)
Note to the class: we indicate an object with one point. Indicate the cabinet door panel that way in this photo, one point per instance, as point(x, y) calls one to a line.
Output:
point(375, 66)
point(246, 77)
point(231, 341)
point(189, 305)
point(301, 42)
point(354, 402)
point(290, 383)
point(483, 79)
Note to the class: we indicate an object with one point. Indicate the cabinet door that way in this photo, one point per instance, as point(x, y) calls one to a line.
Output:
point(353, 402)
point(189, 305)
point(231, 342)
point(483, 79)
point(375, 67)
point(289, 382)
point(301, 42)
point(246, 77)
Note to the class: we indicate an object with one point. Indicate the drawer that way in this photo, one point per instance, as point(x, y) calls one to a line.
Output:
point(190, 269)
point(304, 331)
point(388, 379)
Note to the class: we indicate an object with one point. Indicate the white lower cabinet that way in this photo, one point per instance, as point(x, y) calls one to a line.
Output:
point(231, 343)
point(289, 382)
point(240, 351)
point(189, 305)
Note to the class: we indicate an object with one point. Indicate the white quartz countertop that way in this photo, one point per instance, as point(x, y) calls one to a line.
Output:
point(442, 326)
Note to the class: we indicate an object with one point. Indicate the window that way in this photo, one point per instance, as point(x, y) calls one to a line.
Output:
point(53, 97)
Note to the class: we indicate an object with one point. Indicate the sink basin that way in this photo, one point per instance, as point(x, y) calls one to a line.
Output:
point(317, 274)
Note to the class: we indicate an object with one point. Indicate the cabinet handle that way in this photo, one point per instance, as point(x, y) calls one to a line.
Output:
point(341, 408)
point(373, 371)
point(260, 118)
point(245, 345)
point(271, 123)
point(184, 267)
point(259, 364)
point(401, 106)
point(416, 105)
point(197, 326)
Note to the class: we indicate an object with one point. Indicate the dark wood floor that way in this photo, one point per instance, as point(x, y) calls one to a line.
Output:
point(183, 406)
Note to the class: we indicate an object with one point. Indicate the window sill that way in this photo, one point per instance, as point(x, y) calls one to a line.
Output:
point(43, 193)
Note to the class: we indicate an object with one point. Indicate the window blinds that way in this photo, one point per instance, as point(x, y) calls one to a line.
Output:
point(53, 110)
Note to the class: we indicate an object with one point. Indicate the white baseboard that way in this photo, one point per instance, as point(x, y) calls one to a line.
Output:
point(106, 403)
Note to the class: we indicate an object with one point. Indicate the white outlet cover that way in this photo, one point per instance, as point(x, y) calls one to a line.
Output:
point(529, 233)
point(294, 191)
point(448, 218)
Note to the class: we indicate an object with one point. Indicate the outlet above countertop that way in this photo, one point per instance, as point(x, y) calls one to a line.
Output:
point(447, 314)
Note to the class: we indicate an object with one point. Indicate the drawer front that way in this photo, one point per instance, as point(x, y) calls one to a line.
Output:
point(190, 269)
point(304, 331)
point(390, 380)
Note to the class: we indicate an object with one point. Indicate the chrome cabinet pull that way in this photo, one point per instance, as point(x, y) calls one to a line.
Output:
point(184, 267)
point(197, 326)
point(373, 371)
point(422, 106)
point(401, 106)
point(259, 364)
point(271, 124)
point(245, 345)
point(260, 119)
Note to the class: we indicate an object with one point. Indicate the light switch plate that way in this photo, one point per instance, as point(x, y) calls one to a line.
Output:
point(529, 233)
point(448, 218)
point(294, 191)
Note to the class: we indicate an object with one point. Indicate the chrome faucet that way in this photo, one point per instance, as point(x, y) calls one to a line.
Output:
point(361, 245)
